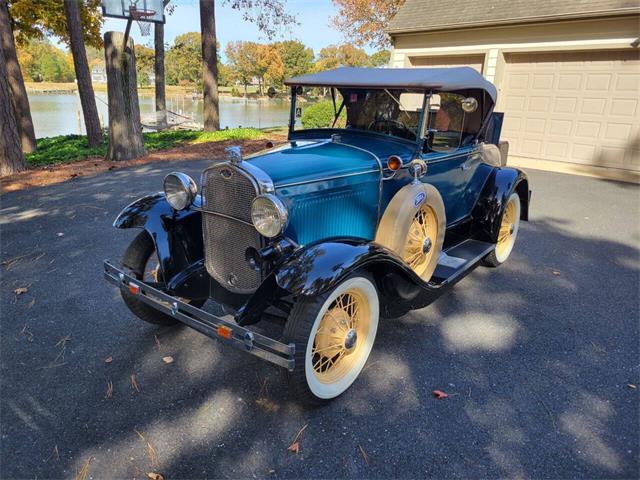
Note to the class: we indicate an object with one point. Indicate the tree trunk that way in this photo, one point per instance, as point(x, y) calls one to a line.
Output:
point(83, 75)
point(209, 65)
point(11, 157)
point(158, 67)
point(125, 130)
point(16, 82)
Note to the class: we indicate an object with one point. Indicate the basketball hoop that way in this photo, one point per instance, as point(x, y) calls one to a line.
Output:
point(142, 17)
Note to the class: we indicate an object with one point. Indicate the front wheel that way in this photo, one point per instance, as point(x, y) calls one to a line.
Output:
point(141, 261)
point(333, 334)
point(507, 234)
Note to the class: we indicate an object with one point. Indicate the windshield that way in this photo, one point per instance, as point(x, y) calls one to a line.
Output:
point(395, 113)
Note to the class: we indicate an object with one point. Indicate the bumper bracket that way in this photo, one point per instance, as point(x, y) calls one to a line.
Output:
point(210, 325)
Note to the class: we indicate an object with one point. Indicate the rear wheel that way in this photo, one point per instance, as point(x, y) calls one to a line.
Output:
point(507, 235)
point(333, 334)
point(141, 261)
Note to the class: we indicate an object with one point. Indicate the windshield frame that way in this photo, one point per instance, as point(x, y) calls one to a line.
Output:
point(307, 133)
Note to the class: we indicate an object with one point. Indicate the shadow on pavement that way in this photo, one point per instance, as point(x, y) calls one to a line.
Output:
point(536, 357)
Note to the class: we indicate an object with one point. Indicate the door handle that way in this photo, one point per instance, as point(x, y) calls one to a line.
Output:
point(465, 166)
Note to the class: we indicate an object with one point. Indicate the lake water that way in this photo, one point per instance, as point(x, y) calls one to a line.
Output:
point(61, 114)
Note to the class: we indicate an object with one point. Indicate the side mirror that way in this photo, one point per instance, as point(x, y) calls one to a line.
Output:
point(271, 92)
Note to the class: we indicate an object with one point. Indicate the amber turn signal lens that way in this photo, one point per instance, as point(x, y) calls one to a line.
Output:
point(225, 332)
point(394, 163)
point(134, 289)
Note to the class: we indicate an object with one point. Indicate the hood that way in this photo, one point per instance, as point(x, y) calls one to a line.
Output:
point(319, 159)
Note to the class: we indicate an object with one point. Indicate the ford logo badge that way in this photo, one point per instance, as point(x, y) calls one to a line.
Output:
point(226, 173)
point(419, 198)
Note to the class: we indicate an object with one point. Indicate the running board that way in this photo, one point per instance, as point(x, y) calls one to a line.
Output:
point(456, 261)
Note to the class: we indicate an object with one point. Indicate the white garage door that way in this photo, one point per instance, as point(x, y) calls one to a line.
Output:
point(580, 107)
point(473, 61)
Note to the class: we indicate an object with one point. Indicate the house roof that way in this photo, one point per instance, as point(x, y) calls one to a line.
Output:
point(430, 15)
point(442, 79)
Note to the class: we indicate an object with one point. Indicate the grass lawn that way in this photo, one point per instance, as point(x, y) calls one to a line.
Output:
point(73, 148)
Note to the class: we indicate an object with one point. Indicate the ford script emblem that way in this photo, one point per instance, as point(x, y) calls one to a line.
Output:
point(419, 199)
point(226, 173)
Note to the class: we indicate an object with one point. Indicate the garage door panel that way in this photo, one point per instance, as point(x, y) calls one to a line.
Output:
point(581, 107)
point(624, 107)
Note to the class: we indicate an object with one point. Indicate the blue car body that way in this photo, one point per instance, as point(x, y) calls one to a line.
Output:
point(336, 184)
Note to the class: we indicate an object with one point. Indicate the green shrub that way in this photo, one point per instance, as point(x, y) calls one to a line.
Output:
point(320, 115)
point(235, 92)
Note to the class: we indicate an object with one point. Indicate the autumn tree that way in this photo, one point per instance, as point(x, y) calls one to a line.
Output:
point(242, 58)
point(268, 15)
point(269, 67)
point(365, 21)
point(379, 59)
point(145, 59)
point(297, 59)
point(11, 157)
point(184, 60)
point(19, 98)
point(75, 22)
point(344, 55)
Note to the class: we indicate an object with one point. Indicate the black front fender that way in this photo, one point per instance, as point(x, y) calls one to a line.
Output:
point(177, 236)
point(318, 267)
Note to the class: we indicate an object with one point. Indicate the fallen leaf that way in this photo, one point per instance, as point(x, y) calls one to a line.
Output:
point(134, 383)
point(439, 394)
point(60, 234)
point(267, 405)
point(83, 473)
point(364, 455)
point(632, 386)
point(295, 445)
point(555, 272)
point(109, 393)
point(108, 359)
point(167, 359)
point(155, 476)
point(294, 448)
point(20, 290)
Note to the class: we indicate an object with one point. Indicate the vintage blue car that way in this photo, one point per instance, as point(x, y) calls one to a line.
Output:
point(402, 193)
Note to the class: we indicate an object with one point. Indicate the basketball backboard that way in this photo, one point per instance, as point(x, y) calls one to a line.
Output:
point(138, 10)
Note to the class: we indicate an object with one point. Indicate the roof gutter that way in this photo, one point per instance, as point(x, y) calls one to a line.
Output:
point(520, 20)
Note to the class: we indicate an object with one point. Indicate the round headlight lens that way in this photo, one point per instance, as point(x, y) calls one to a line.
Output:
point(180, 190)
point(269, 215)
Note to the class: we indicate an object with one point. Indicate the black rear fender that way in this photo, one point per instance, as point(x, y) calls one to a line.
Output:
point(500, 184)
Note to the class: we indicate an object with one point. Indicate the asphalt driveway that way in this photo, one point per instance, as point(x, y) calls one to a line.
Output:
point(540, 358)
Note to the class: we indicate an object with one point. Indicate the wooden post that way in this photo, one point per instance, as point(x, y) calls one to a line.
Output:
point(125, 129)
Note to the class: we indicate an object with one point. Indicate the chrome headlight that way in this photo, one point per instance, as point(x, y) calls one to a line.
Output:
point(269, 215)
point(180, 190)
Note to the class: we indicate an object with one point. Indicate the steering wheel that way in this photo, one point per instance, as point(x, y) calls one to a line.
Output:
point(391, 123)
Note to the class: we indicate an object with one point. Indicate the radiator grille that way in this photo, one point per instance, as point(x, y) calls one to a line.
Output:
point(229, 192)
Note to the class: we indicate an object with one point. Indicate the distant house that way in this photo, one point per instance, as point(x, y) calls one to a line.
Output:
point(98, 74)
point(567, 71)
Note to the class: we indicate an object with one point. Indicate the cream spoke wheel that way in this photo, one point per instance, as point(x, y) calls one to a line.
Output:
point(423, 233)
point(508, 229)
point(341, 337)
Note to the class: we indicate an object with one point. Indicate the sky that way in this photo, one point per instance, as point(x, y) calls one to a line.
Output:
point(314, 29)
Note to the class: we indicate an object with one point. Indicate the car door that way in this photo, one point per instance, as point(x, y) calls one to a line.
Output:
point(449, 172)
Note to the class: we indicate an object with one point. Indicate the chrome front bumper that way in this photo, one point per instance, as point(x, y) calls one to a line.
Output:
point(215, 327)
